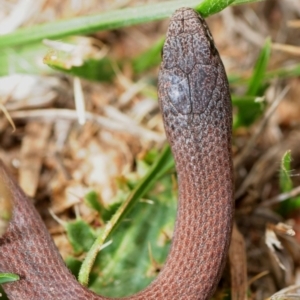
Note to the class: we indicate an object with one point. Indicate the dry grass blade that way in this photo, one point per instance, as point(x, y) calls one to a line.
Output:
point(287, 48)
point(51, 115)
point(79, 101)
point(282, 197)
point(8, 116)
point(238, 266)
point(34, 147)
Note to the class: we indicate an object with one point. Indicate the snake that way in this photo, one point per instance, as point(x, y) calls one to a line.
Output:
point(195, 103)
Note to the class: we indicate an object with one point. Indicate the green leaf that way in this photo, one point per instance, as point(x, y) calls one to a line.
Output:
point(91, 69)
point(92, 199)
point(80, 235)
point(8, 277)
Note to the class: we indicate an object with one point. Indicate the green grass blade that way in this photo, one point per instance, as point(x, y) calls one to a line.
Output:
point(285, 72)
point(256, 81)
point(249, 108)
point(251, 105)
point(89, 24)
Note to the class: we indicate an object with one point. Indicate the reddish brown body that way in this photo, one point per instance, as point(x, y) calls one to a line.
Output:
point(196, 107)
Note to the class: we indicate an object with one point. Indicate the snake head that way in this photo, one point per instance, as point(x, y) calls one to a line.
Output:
point(191, 68)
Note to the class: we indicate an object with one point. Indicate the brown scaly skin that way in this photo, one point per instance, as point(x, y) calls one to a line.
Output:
point(195, 103)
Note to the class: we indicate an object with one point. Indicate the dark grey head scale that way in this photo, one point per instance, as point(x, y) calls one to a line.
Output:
point(183, 14)
point(208, 34)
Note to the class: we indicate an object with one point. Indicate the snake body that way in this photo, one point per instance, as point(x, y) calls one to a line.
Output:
point(196, 107)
